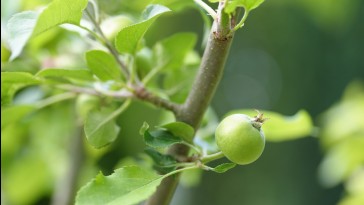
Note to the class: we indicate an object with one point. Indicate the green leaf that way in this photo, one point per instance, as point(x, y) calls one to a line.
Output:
point(128, 38)
point(25, 25)
point(342, 160)
point(343, 119)
point(18, 78)
point(92, 9)
point(247, 4)
point(127, 185)
point(171, 52)
point(160, 139)
point(352, 199)
point(355, 184)
point(223, 167)
point(100, 126)
point(78, 74)
point(175, 5)
point(60, 12)
point(103, 65)
point(100, 129)
point(280, 128)
point(175, 58)
point(181, 129)
point(13, 114)
point(13, 81)
point(162, 163)
point(20, 27)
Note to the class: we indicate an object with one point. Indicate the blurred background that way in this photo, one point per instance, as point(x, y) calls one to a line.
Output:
point(290, 55)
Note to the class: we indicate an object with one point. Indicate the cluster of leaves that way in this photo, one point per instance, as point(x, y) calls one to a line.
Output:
point(160, 139)
point(99, 91)
point(169, 58)
point(342, 138)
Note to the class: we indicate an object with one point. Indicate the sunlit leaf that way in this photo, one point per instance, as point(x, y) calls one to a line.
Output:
point(175, 5)
point(103, 65)
point(59, 12)
point(128, 39)
point(247, 4)
point(100, 129)
point(100, 126)
point(92, 9)
point(78, 74)
point(18, 78)
point(24, 25)
point(280, 128)
point(344, 118)
point(127, 185)
point(355, 184)
point(352, 200)
point(341, 160)
point(20, 28)
point(180, 129)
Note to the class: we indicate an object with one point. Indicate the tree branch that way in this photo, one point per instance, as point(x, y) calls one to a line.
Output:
point(141, 93)
point(203, 89)
point(136, 92)
point(65, 189)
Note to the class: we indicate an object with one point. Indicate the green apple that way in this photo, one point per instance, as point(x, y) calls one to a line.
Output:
point(240, 138)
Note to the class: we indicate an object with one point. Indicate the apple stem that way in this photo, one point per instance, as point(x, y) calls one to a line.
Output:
point(258, 120)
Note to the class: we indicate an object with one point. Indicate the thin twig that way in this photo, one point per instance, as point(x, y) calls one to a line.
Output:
point(54, 99)
point(109, 46)
point(209, 158)
point(143, 94)
point(242, 21)
point(80, 90)
point(138, 92)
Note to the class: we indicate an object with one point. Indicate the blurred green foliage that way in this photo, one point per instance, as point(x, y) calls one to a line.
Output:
point(342, 137)
point(290, 55)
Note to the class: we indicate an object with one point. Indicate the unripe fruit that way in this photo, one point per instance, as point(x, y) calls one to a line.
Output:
point(240, 138)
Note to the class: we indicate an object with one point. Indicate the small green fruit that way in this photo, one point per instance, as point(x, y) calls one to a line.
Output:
point(240, 138)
